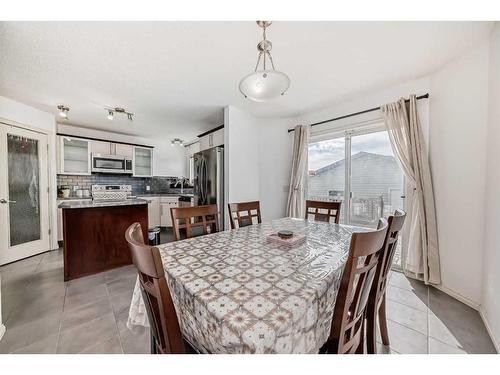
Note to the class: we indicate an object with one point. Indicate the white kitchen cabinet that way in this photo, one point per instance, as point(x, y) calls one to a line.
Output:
point(142, 161)
point(204, 142)
point(74, 156)
point(166, 203)
point(101, 147)
point(218, 138)
point(213, 139)
point(153, 210)
point(123, 150)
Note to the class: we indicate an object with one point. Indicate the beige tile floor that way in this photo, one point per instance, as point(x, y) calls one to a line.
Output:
point(43, 314)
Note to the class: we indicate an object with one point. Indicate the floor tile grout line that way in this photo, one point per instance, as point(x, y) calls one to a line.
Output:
point(405, 326)
point(405, 304)
point(114, 317)
point(62, 312)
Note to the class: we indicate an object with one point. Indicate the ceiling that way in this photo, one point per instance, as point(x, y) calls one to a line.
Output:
point(177, 76)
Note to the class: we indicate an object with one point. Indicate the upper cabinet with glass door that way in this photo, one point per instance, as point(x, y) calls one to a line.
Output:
point(142, 162)
point(74, 156)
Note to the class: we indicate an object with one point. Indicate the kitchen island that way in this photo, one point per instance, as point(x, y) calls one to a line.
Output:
point(94, 234)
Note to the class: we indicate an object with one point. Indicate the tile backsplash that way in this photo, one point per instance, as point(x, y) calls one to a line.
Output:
point(157, 184)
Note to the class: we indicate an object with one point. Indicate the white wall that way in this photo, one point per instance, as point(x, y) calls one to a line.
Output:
point(275, 155)
point(25, 115)
point(241, 156)
point(168, 160)
point(490, 304)
point(458, 119)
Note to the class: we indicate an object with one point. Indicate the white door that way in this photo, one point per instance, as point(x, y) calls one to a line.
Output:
point(24, 210)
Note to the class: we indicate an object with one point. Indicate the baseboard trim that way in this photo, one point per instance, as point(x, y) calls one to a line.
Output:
point(458, 297)
point(488, 328)
point(2, 330)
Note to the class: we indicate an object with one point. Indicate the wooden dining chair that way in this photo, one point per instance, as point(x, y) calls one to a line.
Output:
point(332, 210)
point(347, 332)
point(186, 218)
point(166, 336)
point(376, 301)
point(236, 209)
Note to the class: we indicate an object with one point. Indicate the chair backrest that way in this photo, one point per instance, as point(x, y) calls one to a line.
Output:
point(394, 225)
point(204, 217)
point(332, 208)
point(359, 271)
point(155, 293)
point(237, 209)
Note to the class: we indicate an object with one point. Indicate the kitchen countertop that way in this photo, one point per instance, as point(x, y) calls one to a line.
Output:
point(102, 203)
point(72, 198)
point(149, 194)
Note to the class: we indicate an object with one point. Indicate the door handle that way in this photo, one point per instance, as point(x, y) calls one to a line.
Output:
point(6, 201)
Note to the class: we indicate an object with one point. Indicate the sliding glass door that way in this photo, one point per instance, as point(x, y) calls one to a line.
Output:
point(361, 166)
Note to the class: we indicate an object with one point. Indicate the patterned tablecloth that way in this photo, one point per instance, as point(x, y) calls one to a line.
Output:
point(236, 293)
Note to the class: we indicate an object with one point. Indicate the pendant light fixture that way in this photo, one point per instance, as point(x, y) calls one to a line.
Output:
point(264, 84)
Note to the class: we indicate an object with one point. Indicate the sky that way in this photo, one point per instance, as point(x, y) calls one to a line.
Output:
point(326, 152)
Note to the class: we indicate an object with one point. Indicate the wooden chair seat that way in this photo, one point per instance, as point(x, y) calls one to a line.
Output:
point(332, 211)
point(238, 220)
point(166, 336)
point(376, 302)
point(347, 334)
point(204, 218)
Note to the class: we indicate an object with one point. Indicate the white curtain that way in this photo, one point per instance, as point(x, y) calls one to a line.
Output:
point(298, 179)
point(421, 260)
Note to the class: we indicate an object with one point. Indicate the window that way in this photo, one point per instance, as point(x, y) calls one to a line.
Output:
point(361, 166)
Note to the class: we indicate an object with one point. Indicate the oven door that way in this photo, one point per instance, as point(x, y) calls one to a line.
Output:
point(108, 164)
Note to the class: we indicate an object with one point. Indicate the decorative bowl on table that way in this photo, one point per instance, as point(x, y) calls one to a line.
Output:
point(287, 238)
point(284, 234)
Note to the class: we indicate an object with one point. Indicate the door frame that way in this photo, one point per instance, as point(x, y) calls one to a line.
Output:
point(51, 176)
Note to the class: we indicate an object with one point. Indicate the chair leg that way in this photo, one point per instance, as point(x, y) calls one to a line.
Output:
point(152, 343)
point(371, 331)
point(382, 320)
point(361, 345)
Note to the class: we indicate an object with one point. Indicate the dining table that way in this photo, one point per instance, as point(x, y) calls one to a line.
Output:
point(237, 292)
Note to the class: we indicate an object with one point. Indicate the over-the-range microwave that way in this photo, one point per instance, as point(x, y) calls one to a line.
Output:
point(111, 164)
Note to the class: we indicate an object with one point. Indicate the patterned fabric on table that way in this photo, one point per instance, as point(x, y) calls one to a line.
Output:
point(236, 293)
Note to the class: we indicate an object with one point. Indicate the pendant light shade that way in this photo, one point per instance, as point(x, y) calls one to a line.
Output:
point(264, 84)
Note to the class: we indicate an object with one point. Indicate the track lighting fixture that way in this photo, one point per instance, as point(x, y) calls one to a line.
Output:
point(176, 141)
point(112, 111)
point(63, 111)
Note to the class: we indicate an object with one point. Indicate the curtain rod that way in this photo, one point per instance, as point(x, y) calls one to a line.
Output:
point(425, 96)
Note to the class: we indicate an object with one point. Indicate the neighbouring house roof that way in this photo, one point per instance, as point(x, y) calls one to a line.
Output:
point(359, 155)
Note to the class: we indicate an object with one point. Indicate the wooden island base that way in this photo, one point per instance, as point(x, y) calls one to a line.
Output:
point(94, 238)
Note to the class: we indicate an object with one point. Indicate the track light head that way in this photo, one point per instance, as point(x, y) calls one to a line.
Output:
point(63, 111)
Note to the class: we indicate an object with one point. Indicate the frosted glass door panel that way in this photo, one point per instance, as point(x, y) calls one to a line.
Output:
point(23, 168)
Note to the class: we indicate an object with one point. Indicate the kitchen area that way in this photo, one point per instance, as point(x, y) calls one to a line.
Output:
point(104, 178)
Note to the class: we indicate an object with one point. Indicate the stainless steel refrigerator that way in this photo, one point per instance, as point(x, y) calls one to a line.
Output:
point(209, 179)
